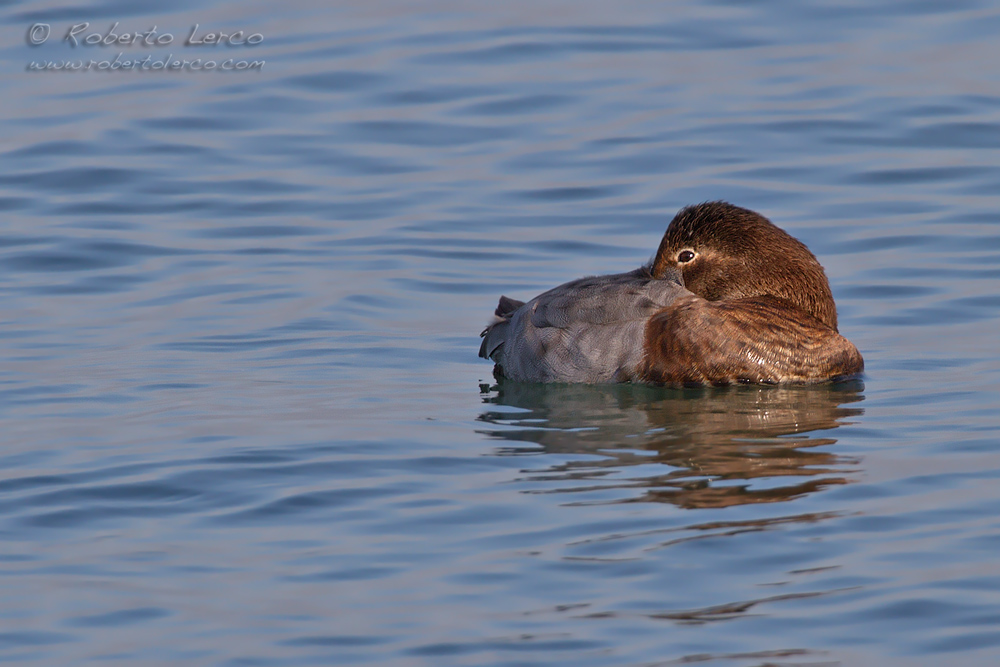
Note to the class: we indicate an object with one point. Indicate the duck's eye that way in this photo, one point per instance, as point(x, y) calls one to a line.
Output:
point(685, 256)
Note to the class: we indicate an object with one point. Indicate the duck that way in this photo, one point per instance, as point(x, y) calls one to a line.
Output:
point(728, 298)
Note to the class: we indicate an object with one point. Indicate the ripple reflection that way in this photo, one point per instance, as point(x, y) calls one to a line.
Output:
point(694, 448)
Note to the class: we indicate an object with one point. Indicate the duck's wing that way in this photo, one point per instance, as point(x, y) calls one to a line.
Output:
point(588, 330)
point(762, 339)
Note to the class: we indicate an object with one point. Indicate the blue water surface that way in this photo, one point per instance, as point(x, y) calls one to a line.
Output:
point(243, 418)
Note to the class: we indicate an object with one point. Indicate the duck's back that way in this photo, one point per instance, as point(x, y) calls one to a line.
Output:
point(589, 330)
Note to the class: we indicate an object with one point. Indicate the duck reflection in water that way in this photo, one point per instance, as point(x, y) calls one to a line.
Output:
point(712, 437)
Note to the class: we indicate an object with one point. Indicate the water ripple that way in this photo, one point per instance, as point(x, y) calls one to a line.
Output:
point(244, 420)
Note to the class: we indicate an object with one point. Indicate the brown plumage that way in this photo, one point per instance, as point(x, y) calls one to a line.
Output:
point(758, 339)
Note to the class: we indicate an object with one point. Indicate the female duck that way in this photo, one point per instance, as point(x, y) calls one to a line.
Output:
point(729, 297)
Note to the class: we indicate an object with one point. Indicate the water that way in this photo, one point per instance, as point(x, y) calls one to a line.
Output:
point(243, 418)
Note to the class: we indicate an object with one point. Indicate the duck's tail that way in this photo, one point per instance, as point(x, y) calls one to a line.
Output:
point(495, 333)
